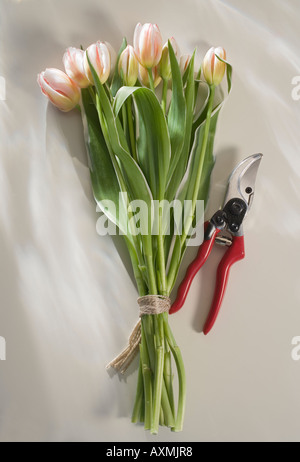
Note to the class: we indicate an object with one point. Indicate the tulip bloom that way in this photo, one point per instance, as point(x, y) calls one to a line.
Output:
point(99, 57)
point(213, 68)
point(73, 60)
point(147, 42)
point(59, 88)
point(165, 65)
point(128, 66)
point(144, 76)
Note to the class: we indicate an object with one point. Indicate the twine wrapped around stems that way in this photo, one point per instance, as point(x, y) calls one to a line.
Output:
point(148, 304)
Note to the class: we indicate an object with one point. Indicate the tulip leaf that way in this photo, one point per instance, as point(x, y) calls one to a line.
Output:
point(188, 188)
point(154, 142)
point(104, 180)
point(138, 184)
point(228, 73)
point(181, 167)
point(177, 113)
point(117, 80)
point(201, 99)
point(132, 175)
point(182, 161)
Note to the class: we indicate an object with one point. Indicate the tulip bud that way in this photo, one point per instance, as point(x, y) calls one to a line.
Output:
point(73, 60)
point(99, 57)
point(147, 42)
point(59, 88)
point(184, 62)
point(128, 66)
point(165, 65)
point(144, 77)
point(213, 68)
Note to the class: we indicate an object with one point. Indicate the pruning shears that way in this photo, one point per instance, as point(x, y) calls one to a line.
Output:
point(237, 203)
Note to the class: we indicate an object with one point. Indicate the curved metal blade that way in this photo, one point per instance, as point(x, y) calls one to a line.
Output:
point(241, 183)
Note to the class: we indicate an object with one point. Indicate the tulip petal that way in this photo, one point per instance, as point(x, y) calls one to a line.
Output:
point(213, 67)
point(60, 82)
point(219, 51)
point(128, 66)
point(59, 100)
point(136, 38)
point(148, 44)
point(208, 65)
point(99, 57)
point(73, 63)
point(59, 88)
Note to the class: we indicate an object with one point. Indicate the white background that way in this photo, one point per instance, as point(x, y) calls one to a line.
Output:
point(67, 301)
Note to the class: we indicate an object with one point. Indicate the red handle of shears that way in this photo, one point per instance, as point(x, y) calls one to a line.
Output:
point(202, 255)
point(233, 254)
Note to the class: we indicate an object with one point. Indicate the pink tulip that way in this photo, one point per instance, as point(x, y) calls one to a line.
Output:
point(73, 60)
point(144, 77)
point(59, 88)
point(128, 66)
point(165, 65)
point(147, 42)
point(99, 57)
point(213, 68)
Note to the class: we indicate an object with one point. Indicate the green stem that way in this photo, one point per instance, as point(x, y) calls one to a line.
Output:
point(151, 271)
point(136, 413)
point(142, 413)
point(146, 365)
point(161, 417)
point(173, 269)
point(164, 95)
point(151, 81)
point(161, 255)
point(135, 266)
point(147, 380)
point(124, 119)
point(131, 128)
point(147, 330)
point(168, 377)
point(167, 404)
point(159, 368)
point(181, 375)
point(107, 89)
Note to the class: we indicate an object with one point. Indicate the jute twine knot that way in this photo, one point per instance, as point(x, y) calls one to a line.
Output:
point(148, 304)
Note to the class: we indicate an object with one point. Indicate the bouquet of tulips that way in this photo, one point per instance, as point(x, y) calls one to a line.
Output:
point(149, 118)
